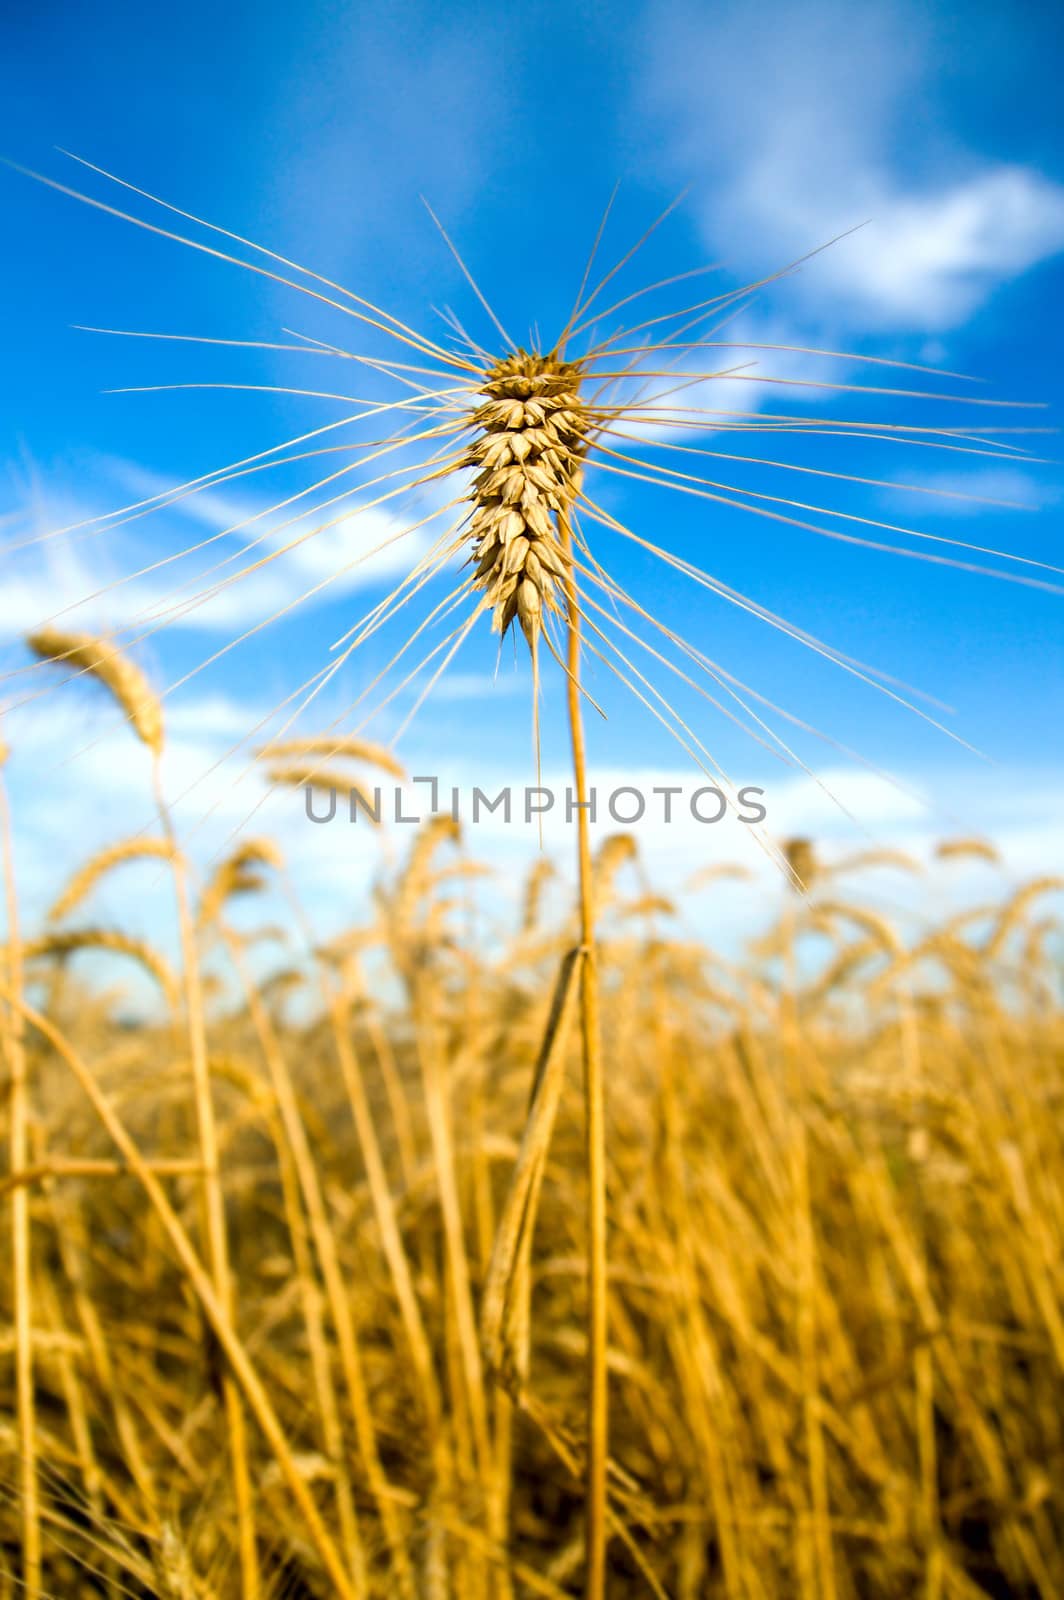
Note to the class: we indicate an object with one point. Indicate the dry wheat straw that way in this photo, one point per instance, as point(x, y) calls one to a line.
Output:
point(914, 1320)
point(218, 1315)
point(21, 1233)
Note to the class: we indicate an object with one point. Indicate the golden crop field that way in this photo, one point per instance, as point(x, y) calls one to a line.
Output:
point(316, 1287)
point(582, 1258)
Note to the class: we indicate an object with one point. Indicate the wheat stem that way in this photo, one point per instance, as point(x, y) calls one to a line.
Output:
point(14, 1041)
point(594, 1110)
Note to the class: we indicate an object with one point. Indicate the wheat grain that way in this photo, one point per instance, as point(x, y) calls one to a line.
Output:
point(173, 1568)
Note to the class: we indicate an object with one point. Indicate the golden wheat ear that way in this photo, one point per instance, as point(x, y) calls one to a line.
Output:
point(334, 747)
point(531, 437)
point(801, 860)
point(85, 654)
point(970, 849)
point(239, 874)
point(59, 945)
point(98, 866)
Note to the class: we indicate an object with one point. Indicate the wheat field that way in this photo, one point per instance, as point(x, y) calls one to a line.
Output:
point(580, 1259)
point(834, 1293)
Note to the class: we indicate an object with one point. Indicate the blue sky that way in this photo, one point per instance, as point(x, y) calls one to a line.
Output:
point(316, 130)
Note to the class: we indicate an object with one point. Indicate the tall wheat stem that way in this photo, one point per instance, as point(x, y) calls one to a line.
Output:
point(20, 1235)
point(594, 1112)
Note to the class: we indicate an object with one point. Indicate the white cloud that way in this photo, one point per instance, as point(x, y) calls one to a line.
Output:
point(931, 259)
point(86, 578)
point(806, 126)
point(972, 493)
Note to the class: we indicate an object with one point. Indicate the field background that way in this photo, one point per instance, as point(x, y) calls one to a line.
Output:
point(293, 1292)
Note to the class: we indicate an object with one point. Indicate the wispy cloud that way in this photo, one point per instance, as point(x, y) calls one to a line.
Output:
point(820, 118)
point(209, 562)
point(930, 259)
point(976, 492)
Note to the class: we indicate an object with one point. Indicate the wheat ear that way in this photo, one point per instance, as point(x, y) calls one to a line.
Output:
point(333, 747)
point(84, 653)
point(66, 942)
point(87, 877)
point(971, 849)
point(238, 874)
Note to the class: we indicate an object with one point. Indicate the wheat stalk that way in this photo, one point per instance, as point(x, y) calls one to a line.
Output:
point(530, 440)
point(21, 1236)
